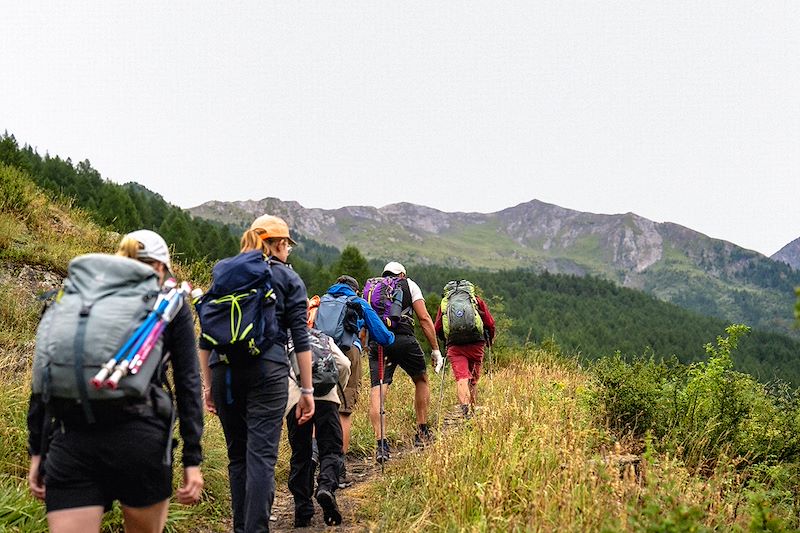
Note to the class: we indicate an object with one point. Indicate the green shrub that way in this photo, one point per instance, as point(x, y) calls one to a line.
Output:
point(629, 395)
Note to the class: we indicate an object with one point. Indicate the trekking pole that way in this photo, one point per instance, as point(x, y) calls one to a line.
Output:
point(121, 369)
point(381, 411)
point(172, 309)
point(138, 335)
point(490, 366)
point(141, 355)
point(441, 390)
point(143, 346)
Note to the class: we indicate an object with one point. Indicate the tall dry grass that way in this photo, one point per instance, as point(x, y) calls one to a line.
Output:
point(535, 459)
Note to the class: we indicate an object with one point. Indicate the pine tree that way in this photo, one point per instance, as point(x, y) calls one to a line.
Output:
point(352, 263)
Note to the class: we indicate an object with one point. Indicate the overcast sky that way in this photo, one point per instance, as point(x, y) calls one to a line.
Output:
point(687, 112)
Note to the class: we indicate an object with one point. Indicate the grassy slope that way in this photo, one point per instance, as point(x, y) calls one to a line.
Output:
point(536, 459)
point(532, 461)
point(36, 231)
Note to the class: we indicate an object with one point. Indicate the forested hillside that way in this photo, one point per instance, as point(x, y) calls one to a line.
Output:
point(594, 318)
point(710, 449)
point(585, 315)
point(121, 208)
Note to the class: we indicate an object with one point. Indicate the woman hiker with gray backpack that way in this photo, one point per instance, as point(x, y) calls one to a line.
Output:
point(255, 302)
point(107, 434)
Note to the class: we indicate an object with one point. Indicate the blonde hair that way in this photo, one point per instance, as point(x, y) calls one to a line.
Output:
point(251, 240)
point(129, 247)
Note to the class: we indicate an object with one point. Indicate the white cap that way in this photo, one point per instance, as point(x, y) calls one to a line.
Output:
point(394, 267)
point(153, 246)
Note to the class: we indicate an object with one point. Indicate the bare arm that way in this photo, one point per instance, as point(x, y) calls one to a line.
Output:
point(426, 323)
point(205, 372)
point(305, 407)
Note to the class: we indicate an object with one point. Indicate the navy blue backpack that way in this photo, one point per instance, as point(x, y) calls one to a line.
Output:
point(237, 314)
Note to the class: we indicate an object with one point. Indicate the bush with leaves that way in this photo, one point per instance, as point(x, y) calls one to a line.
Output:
point(703, 411)
point(629, 394)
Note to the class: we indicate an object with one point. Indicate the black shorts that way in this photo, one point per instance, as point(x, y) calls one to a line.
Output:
point(87, 466)
point(405, 351)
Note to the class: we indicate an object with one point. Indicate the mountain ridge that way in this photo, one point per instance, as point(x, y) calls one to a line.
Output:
point(789, 254)
point(673, 262)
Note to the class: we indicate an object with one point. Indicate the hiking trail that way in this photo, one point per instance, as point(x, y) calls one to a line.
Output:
point(360, 470)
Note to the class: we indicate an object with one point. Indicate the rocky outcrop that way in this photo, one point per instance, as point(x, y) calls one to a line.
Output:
point(627, 243)
point(789, 254)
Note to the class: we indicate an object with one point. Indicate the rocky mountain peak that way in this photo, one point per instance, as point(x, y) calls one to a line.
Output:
point(789, 254)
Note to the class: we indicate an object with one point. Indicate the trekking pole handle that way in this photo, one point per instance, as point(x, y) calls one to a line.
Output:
point(119, 372)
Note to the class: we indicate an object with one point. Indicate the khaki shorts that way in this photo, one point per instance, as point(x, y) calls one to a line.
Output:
point(348, 403)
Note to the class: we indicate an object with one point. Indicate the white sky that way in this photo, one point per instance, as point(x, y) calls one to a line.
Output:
point(686, 112)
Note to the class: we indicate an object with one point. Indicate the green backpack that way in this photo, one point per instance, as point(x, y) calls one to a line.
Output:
point(461, 321)
point(103, 300)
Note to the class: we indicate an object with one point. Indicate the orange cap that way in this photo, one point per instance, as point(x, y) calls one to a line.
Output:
point(275, 227)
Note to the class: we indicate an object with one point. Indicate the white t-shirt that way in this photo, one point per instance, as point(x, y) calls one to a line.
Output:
point(416, 292)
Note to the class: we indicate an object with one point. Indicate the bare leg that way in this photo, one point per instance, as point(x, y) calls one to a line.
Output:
point(473, 393)
point(347, 423)
point(146, 519)
point(422, 397)
point(463, 391)
point(76, 520)
point(375, 408)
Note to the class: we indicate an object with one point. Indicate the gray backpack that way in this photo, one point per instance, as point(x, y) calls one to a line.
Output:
point(461, 321)
point(102, 301)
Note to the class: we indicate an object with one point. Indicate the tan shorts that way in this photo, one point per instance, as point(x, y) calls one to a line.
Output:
point(348, 403)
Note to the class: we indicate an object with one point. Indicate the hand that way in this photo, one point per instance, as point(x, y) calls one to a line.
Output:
point(208, 399)
point(305, 409)
point(189, 492)
point(35, 482)
point(438, 360)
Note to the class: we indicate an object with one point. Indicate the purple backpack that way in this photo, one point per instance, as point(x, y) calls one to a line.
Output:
point(385, 296)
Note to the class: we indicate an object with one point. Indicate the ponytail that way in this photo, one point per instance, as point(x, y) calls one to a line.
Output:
point(129, 247)
point(251, 240)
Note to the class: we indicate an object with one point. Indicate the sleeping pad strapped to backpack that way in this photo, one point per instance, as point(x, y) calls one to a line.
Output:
point(461, 321)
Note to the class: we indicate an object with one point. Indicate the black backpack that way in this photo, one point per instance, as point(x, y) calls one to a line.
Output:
point(324, 373)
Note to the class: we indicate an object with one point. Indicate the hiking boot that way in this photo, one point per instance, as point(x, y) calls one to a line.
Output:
point(344, 482)
point(330, 511)
point(382, 452)
point(423, 436)
point(302, 522)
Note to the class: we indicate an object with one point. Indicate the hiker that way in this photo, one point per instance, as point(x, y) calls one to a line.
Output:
point(466, 326)
point(249, 394)
point(356, 316)
point(118, 448)
point(328, 430)
point(396, 310)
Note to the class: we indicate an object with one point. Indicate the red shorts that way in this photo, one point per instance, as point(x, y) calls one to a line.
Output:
point(466, 360)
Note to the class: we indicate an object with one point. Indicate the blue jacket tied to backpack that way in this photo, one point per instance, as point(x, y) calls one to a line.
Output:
point(378, 331)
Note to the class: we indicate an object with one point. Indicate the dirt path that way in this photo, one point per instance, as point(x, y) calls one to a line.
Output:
point(359, 470)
